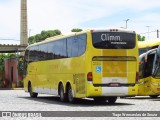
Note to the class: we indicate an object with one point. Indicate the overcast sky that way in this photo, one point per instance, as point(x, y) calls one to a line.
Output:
point(67, 14)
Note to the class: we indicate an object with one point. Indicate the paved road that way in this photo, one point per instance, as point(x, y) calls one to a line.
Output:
point(18, 100)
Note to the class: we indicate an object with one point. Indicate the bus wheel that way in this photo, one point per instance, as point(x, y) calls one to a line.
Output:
point(61, 93)
point(154, 96)
point(111, 100)
point(71, 99)
point(100, 99)
point(32, 94)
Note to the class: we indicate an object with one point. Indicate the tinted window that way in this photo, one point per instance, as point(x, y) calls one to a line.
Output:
point(33, 53)
point(76, 45)
point(42, 53)
point(64, 48)
point(51, 52)
point(69, 47)
point(113, 40)
point(81, 44)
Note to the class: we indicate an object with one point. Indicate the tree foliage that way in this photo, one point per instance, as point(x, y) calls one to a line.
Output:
point(76, 30)
point(43, 35)
point(141, 38)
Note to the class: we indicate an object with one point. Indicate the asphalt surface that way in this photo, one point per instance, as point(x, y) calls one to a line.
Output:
point(18, 100)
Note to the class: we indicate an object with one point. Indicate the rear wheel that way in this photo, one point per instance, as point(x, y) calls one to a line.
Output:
point(100, 99)
point(71, 99)
point(111, 100)
point(154, 96)
point(61, 93)
point(32, 94)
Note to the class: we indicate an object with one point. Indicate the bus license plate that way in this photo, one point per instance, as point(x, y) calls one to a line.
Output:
point(114, 84)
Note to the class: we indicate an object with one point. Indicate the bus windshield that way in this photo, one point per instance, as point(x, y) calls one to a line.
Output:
point(113, 40)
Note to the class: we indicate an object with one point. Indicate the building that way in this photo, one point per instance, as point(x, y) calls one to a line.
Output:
point(13, 75)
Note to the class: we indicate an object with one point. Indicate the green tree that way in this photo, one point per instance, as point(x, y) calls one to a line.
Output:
point(43, 35)
point(76, 30)
point(141, 38)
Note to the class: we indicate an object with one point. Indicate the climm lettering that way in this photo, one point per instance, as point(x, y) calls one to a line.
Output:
point(107, 37)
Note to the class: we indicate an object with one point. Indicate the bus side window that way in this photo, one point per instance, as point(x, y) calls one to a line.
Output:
point(69, 47)
point(81, 44)
point(51, 50)
point(42, 52)
point(75, 47)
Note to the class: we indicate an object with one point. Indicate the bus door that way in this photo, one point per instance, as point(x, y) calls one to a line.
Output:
point(141, 76)
point(156, 73)
point(148, 68)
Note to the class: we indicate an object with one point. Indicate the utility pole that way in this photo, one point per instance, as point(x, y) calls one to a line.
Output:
point(157, 33)
point(24, 26)
point(148, 31)
point(126, 22)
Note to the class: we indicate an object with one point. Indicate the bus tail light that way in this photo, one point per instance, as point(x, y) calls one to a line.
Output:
point(137, 76)
point(89, 76)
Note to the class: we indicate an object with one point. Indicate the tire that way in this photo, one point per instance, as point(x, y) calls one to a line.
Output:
point(71, 99)
point(100, 99)
point(154, 96)
point(62, 94)
point(111, 100)
point(32, 94)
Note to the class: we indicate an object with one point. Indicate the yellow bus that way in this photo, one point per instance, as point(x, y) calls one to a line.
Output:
point(98, 64)
point(144, 46)
point(149, 80)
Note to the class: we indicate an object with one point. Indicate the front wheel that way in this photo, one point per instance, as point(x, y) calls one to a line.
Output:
point(111, 100)
point(32, 94)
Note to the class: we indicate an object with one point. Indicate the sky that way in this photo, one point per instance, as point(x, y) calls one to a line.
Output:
point(67, 14)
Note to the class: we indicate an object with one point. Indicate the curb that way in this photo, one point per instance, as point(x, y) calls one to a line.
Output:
point(11, 88)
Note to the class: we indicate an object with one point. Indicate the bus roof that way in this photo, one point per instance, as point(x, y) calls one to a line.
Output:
point(148, 43)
